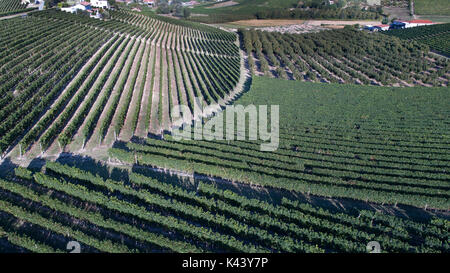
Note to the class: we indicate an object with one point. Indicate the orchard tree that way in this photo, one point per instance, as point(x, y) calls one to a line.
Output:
point(163, 7)
point(186, 13)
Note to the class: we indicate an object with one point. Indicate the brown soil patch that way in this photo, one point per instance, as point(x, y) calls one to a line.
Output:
point(267, 23)
point(222, 5)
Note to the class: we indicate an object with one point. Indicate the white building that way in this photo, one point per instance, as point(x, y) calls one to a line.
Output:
point(419, 23)
point(189, 4)
point(381, 27)
point(74, 9)
point(410, 24)
point(100, 4)
point(150, 3)
point(374, 2)
point(94, 13)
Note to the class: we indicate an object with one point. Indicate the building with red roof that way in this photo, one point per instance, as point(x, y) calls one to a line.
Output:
point(381, 27)
point(420, 22)
point(408, 24)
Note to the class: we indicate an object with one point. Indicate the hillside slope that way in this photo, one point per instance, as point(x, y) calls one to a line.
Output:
point(116, 78)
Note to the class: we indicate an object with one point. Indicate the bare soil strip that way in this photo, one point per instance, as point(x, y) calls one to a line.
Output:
point(341, 23)
point(12, 16)
point(94, 140)
point(110, 135)
point(142, 126)
point(222, 4)
point(127, 131)
point(78, 138)
point(35, 150)
point(267, 23)
point(84, 102)
point(54, 148)
point(182, 88)
point(174, 89)
point(189, 89)
point(154, 124)
point(165, 123)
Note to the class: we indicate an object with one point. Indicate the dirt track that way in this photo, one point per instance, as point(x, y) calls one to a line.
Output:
point(267, 23)
point(142, 126)
point(340, 23)
point(223, 4)
point(12, 16)
point(287, 22)
point(299, 26)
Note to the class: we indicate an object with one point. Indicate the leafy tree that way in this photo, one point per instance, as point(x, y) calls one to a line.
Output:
point(163, 7)
point(113, 4)
point(52, 3)
point(186, 13)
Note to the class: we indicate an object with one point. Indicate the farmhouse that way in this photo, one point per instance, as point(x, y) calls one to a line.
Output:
point(95, 13)
point(31, 2)
point(381, 27)
point(100, 4)
point(88, 7)
point(189, 4)
point(418, 23)
point(410, 24)
point(369, 27)
point(150, 3)
point(75, 8)
point(398, 25)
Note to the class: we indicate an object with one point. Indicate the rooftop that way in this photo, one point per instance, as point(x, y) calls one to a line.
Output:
point(420, 21)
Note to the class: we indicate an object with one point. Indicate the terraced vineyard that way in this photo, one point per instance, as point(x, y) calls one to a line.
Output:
point(344, 56)
point(372, 144)
point(8, 7)
point(86, 106)
point(141, 213)
point(126, 87)
point(437, 37)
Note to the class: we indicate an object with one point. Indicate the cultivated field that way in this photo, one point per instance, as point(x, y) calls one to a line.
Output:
point(432, 7)
point(121, 79)
point(221, 5)
point(437, 37)
point(365, 143)
point(344, 56)
point(266, 23)
point(297, 26)
point(366, 147)
point(138, 211)
point(275, 9)
point(8, 7)
point(87, 153)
